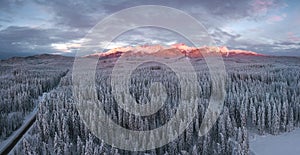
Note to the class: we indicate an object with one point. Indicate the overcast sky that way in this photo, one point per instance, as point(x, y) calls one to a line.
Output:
point(58, 26)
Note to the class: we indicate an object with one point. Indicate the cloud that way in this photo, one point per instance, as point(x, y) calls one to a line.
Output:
point(77, 14)
point(259, 44)
point(292, 37)
point(85, 14)
point(150, 35)
point(37, 36)
point(66, 22)
point(261, 7)
point(5, 20)
point(223, 37)
point(27, 41)
point(66, 47)
point(9, 5)
point(111, 45)
point(171, 43)
point(276, 18)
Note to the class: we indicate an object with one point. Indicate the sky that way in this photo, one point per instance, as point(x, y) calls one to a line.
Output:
point(58, 27)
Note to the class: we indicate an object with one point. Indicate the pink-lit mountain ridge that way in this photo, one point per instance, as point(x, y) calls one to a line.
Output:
point(172, 51)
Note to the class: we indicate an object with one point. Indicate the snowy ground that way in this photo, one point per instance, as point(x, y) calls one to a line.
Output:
point(286, 143)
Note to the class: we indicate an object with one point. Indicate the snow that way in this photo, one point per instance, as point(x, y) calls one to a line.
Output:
point(286, 143)
point(155, 48)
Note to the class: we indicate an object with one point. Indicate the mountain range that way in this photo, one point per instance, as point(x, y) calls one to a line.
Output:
point(175, 50)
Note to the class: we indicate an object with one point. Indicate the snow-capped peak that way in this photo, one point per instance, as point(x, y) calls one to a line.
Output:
point(187, 50)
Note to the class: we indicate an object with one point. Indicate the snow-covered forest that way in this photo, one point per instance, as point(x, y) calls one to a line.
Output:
point(262, 96)
point(21, 83)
